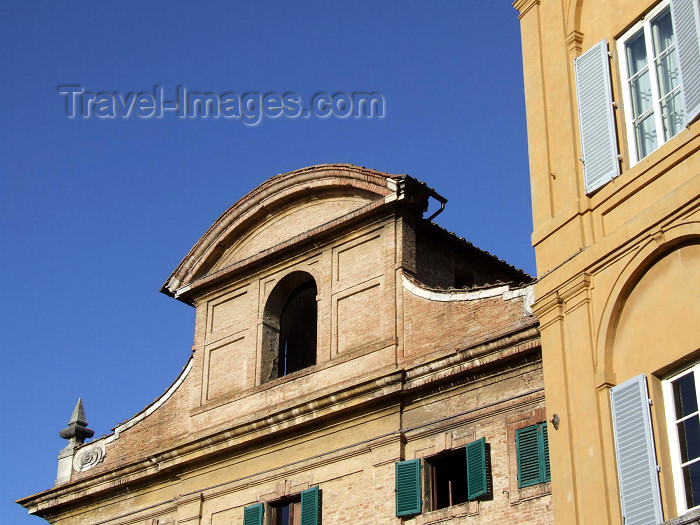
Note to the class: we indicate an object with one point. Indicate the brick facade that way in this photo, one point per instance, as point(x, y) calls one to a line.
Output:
point(403, 370)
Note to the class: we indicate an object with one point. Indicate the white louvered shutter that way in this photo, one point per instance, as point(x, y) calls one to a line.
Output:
point(595, 117)
point(686, 22)
point(634, 450)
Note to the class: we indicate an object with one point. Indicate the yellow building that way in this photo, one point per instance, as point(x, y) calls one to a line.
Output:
point(613, 93)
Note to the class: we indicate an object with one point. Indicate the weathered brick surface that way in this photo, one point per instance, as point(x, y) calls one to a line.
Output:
point(401, 372)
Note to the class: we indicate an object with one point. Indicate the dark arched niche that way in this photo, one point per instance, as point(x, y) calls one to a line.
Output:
point(289, 327)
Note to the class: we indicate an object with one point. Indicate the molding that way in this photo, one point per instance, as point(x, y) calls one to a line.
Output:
point(523, 6)
point(472, 358)
point(547, 305)
point(580, 283)
point(573, 42)
point(183, 293)
point(430, 295)
point(472, 295)
point(605, 379)
point(276, 189)
point(326, 405)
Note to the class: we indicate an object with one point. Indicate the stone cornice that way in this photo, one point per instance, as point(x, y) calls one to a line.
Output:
point(325, 405)
point(319, 408)
point(471, 359)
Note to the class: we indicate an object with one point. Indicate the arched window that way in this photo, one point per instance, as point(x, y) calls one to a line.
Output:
point(289, 327)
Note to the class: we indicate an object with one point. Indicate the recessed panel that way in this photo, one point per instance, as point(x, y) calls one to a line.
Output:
point(360, 262)
point(229, 315)
point(358, 321)
point(226, 370)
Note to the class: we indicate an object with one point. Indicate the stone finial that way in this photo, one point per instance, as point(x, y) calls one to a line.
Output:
point(77, 429)
point(76, 432)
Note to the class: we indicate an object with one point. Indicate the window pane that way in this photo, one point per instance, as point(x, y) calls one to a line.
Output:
point(283, 515)
point(662, 31)
point(667, 72)
point(684, 396)
point(295, 513)
point(640, 89)
point(689, 438)
point(645, 132)
point(672, 115)
point(636, 54)
point(691, 479)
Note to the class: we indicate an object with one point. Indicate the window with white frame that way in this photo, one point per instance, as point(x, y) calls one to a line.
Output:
point(651, 82)
point(683, 420)
point(659, 62)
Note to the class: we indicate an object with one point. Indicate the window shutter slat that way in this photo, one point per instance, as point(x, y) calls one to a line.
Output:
point(310, 506)
point(253, 514)
point(544, 452)
point(685, 16)
point(477, 481)
point(408, 488)
point(527, 448)
point(595, 116)
point(634, 450)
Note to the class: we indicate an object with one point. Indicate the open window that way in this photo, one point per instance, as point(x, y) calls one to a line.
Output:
point(289, 327)
point(447, 476)
point(660, 71)
point(651, 78)
point(300, 509)
point(681, 392)
point(286, 512)
point(452, 477)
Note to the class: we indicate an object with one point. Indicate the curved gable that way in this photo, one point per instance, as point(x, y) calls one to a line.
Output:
point(278, 210)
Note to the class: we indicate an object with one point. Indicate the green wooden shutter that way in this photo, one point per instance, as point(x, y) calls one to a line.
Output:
point(253, 514)
point(544, 453)
point(528, 452)
point(477, 482)
point(310, 506)
point(408, 488)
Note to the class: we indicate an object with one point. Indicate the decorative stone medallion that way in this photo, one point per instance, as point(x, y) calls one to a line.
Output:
point(89, 456)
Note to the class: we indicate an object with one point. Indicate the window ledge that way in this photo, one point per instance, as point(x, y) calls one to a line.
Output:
point(447, 514)
point(690, 518)
point(532, 492)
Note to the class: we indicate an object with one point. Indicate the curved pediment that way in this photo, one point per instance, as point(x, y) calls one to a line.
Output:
point(289, 221)
point(280, 209)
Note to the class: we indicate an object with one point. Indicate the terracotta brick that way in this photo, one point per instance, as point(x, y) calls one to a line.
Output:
point(403, 369)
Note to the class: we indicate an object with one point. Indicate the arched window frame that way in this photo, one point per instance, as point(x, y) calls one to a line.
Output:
point(276, 361)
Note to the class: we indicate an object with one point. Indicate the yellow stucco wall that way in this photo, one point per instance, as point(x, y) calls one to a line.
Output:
point(618, 269)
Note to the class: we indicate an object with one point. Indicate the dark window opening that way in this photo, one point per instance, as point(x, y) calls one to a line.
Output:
point(297, 339)
point(448, 479)
point(288, 513)
point(289, 327)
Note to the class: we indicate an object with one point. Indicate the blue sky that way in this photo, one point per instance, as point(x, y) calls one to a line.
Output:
point(96, 213)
